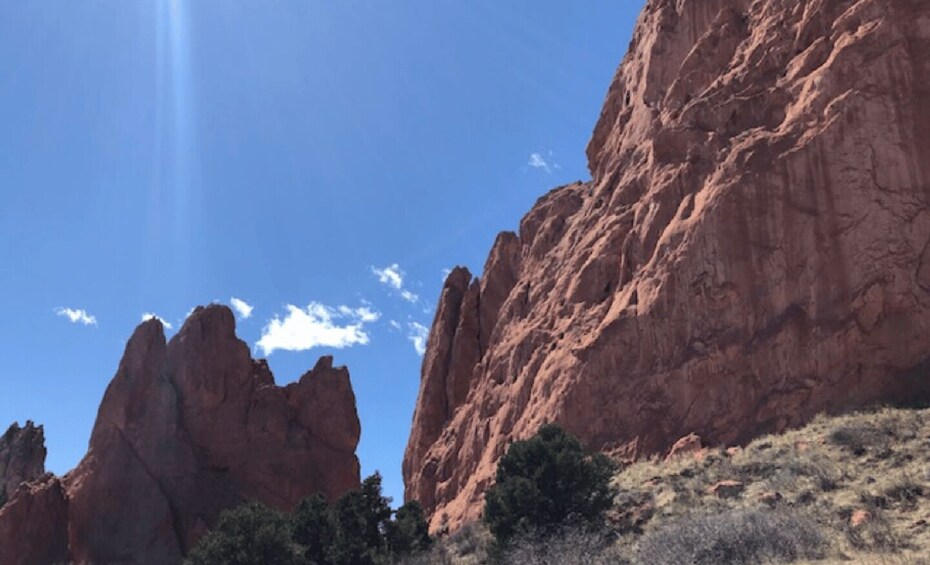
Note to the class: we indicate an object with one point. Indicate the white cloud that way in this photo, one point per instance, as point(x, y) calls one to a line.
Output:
point(316, 326)
point(363, 314)
point(418, 334)
point(243, 308)
point(77, 316)
point(148, 316)
point(445, 274)
point(391, 275)
point(537, 162)
point(395, 324)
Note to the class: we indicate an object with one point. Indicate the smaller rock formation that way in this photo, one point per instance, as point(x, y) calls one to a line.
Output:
point(34, 524)
point(22, 458)
point(688, 445)
point(187, 428)
point(726, 489)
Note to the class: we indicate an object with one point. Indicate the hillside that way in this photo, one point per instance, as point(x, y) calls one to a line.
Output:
point(845, 489)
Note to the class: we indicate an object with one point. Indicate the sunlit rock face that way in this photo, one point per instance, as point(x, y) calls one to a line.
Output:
point(186, 429)
point(752, 249)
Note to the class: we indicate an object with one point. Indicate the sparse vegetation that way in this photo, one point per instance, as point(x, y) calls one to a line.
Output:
point(577, 545)
point(469, 545)
point(845, 489)
point(738, 537)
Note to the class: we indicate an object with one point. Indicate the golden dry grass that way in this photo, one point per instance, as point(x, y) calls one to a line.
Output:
point(877, 462)
point(817, 478)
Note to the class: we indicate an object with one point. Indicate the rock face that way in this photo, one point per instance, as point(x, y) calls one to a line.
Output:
point(34, 524)
point(753, 248)
point(22, 457)
point(187, 429)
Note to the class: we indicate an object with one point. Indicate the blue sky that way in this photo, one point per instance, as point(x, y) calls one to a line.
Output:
point(324, 162)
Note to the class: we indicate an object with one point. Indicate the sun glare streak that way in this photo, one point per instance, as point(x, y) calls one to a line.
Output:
point(175, 181)
point(182, 106)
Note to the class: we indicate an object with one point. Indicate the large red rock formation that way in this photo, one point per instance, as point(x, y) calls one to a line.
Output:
point(187, 429)
point(22, 457)
point(753, 248)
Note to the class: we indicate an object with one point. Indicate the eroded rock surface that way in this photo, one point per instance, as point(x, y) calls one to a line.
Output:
point(34, 524)
point(186, 429)
point(22, 457)
point(753, 248)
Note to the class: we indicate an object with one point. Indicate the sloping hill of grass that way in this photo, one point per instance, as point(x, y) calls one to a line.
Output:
point(845, 489)
point(861, 482)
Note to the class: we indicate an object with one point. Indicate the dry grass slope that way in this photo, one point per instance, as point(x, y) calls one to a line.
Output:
point(846, 489)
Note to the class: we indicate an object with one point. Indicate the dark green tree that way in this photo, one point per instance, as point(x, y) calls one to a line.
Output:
point(360, 518)
point(356, 530)
point(408, 533)
point(313, 529)
point(251, 534)
point(545, 482)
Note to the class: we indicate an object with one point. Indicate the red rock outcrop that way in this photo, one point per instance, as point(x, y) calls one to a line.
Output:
point(22, 457)
point(187, 429)
point(753, 248)
point(34, 524)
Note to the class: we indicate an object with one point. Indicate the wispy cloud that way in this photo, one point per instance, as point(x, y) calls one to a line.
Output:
point(317, 326)
point(243, 308)
point(77, 316)
point(418, 334)
point(395, 324)
point(364, 314)
point(445, 274)
point(149, 316)
point(537, 161)
point(393, 277)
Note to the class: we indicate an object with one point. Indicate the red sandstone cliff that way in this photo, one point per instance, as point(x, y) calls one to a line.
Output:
point(186, 429)
point(753, 248)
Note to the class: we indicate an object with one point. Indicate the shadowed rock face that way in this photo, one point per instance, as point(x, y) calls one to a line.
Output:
point(753, 248)
point(34, 524)
point(187, 429)
point(22, 457)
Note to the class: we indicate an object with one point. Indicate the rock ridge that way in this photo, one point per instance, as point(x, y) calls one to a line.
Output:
point(187, 428)
point(752, 249)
